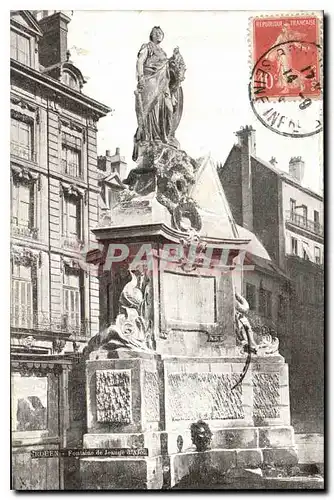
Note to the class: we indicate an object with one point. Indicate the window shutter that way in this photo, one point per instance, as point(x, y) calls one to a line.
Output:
point(22, 308)
point(24, 205)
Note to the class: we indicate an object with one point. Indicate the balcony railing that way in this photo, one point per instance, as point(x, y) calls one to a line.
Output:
point(73, 243)
point(70, 168)
point(303, 222)
point(23, 231)
point(57, 323)
point(22, 151)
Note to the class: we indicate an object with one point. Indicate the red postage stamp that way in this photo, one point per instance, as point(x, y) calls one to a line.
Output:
point(286, 57)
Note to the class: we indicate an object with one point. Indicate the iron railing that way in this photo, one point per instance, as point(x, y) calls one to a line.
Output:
point(18, 229)
point(73, 242)
point(56, 323)
point(303, 222)
point(21, 151)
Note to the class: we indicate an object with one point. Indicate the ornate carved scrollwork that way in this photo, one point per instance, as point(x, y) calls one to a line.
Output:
point(23, 103)
point(25, 174)
point(58, 345)
point(193, 249)
point(133, 327)
point(25, 256)
point(70, 124)
point(34, 368)
point(171, 174)
point(72, 190)
point(21, 116)
point(70, 264)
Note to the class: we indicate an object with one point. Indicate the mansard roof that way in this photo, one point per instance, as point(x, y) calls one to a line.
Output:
point(26, 21)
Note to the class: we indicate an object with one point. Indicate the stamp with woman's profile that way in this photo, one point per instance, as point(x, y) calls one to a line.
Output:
point(285, 88)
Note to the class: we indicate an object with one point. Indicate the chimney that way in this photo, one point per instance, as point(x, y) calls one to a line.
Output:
point(246, 142)
point(53, 44)
point(113, 163)
point(296, 168)
point(118, 164)
point(246, 138)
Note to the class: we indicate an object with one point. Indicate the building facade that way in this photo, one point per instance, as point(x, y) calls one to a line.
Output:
point(288, 219)
point(54, 205)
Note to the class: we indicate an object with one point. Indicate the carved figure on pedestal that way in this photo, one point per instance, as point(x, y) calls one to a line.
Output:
point(244, 330)
point(133, 326)
point(244, 333)
point(159, 97)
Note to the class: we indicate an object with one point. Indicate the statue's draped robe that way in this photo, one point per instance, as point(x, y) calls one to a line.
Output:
point(154, 107)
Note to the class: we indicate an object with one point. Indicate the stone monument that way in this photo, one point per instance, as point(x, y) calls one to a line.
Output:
point(178, 377)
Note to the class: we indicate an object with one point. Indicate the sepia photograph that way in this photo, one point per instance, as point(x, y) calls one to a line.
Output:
point(166, 250)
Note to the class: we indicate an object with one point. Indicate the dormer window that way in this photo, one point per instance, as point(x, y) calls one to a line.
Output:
point(20, 48)
point(70, 80)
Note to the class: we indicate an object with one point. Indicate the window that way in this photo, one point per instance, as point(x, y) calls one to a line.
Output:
point(294, 246)
point(112, 197)
point(265, 303)
point(21, 138)
point(22, 299)
point(317, 255)
point(70, 80)
point(71, 155)
point(316, 219)
point(23, 204)
point(304, 212)
point(72, 217)
point(72, 300)
point(292, 205)
point(306, 251)
point(250, 296)
point(20, 48)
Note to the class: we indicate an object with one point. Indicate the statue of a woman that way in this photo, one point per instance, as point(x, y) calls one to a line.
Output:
point(159, 98)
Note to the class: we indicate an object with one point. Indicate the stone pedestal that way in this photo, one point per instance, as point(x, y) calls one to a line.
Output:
point(149, 400)
point(150, 403)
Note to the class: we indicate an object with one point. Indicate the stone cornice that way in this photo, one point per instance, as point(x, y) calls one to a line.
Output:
point(63, 91)
point(163, 231)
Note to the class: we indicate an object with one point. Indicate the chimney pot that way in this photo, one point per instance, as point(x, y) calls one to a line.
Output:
point(296, 168)
point(246, 138)
point(108, 152)
point(118, 151)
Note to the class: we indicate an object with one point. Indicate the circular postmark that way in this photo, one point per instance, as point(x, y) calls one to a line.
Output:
point(285, 89)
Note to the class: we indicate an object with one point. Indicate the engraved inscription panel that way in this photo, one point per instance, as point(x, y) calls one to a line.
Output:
point(189, 299)
point(113, 396)
point(151, 396)
point(266, 393)
point(207, 396)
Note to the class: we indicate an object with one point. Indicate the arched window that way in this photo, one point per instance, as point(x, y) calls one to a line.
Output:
point(70, 80)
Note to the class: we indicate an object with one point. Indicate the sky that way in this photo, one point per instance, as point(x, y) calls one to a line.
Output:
point(217, 54)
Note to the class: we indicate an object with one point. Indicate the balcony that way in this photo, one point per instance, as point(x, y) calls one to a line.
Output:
point(73, 243)
point(23, 231)
point(58, 323)
point(70, 168)
point(304, 223)
point(21, 151)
